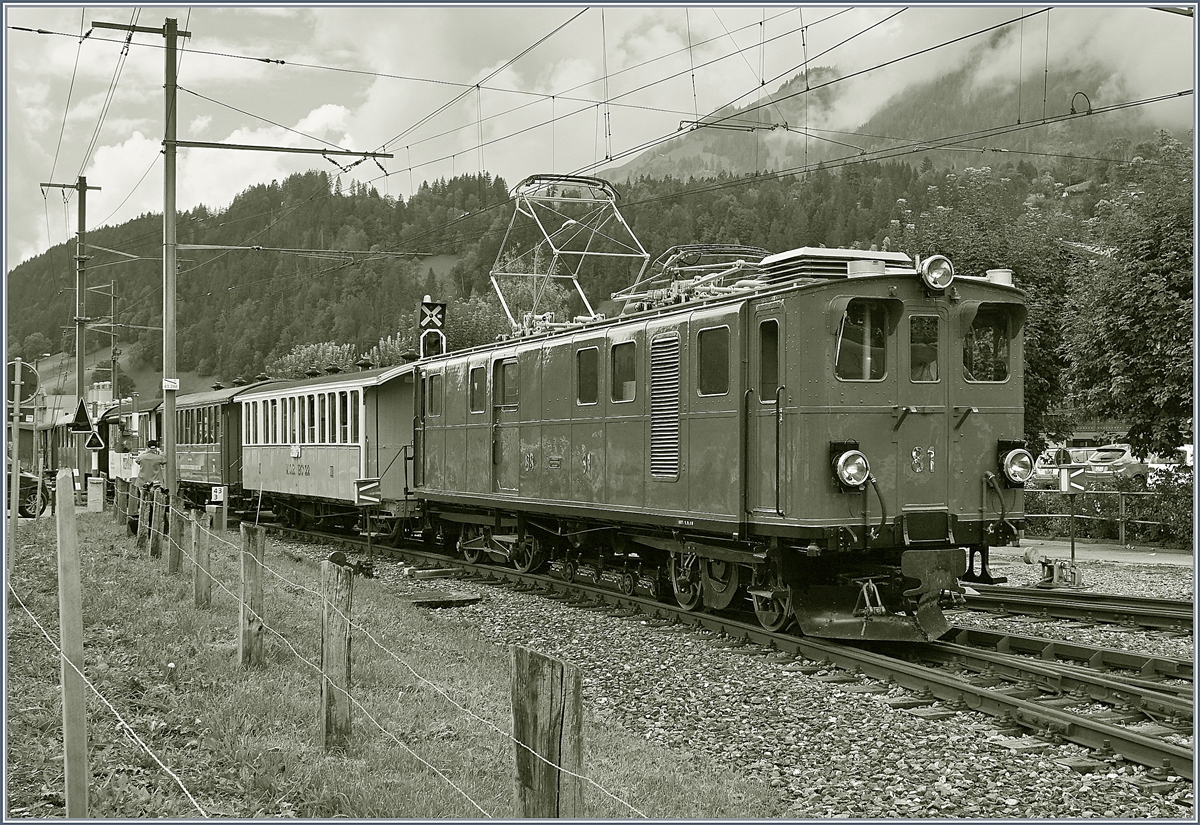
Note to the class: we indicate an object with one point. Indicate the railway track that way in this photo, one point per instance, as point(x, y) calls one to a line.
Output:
point(1084, 606)
point(1111, 702)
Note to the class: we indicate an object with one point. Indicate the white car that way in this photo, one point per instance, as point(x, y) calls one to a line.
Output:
point(1160, 465)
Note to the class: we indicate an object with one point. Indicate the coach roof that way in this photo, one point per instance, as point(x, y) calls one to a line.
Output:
point(338, 380)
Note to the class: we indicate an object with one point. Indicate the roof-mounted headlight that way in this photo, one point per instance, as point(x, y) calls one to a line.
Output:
point(937, 272)
point(852, 469)
point(1017, 465)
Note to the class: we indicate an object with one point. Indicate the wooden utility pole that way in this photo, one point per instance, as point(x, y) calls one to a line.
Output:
point(81, 319)
point(70, 613)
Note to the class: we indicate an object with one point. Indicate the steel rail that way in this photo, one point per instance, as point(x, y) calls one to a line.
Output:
point(1150, 667)
point(1101, 608)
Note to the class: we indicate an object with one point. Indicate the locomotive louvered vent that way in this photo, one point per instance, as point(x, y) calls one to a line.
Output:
point(817, 262)
point(664, 407)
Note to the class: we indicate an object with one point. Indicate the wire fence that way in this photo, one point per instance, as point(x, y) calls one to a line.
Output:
point(168, 544)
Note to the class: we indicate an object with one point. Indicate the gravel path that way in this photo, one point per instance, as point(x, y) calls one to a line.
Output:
point(825, 751)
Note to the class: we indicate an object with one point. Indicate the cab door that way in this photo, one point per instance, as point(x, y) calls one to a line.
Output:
point(765, 401)
point(921, 420)
point(506, 426)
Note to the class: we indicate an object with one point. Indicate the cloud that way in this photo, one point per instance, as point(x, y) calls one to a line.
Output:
point(199, 124)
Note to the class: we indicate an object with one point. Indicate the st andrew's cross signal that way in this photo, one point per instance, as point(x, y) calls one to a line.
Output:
point(432, 324)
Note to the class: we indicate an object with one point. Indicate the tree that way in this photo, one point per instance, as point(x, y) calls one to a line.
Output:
point(36, 345)
point(1129, 341)
point(318, 357)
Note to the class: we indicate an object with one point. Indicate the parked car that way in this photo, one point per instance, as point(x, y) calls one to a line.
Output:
point(1118, 461)
point(1045, 467)
point(1160, 466)
point(32, 501)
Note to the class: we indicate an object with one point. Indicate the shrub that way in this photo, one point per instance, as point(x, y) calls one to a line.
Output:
point(1163, 516)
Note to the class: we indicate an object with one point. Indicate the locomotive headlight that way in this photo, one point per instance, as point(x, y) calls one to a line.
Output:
point(937, 272)
point(1018, 466)
point(852, 468)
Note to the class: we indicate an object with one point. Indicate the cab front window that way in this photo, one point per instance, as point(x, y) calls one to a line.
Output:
point(861, 350)
point(986, 350)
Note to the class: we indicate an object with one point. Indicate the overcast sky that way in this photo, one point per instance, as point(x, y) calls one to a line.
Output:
point(452, 90)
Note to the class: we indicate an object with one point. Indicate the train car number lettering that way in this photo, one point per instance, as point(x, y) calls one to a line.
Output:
point(297, 469)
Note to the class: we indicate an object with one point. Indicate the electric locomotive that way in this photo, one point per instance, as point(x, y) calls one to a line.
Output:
point(820, 435)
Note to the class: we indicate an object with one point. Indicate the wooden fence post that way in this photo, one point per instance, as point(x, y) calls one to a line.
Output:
point(145, 508)
point(337, 590)
point(157, 521)
point(70, 612)
point(250, 607)
point(175, 534)
point(202, 582)
point(547, 713)
point(120, 487)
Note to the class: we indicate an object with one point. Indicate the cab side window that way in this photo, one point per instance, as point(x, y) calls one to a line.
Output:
point(504, 383)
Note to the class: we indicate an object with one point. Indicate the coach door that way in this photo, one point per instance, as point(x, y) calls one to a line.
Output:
point(921, 425)
point(506, 426)
point(765, 400)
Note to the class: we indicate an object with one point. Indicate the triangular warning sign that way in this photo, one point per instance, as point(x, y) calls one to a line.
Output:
point(82, 422)
point(94, 442)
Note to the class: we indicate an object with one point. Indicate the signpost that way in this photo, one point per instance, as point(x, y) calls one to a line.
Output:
point(1072, 480)
point(368, 494)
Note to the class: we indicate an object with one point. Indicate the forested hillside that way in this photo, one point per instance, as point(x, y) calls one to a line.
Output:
point(346, 268)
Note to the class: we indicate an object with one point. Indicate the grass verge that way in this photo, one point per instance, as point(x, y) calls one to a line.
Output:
point(243, 741)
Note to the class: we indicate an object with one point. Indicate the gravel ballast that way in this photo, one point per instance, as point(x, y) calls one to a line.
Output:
point(825, 751)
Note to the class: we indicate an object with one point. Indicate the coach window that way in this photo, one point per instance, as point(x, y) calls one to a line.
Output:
point(254, 423)
point(245, 423)
point(923, 348)
point(624, 379)
point(712, 361)
point(434, 403)
point(587, 375)
point(986, 346)
point(354, 417)
point(478, 390)
point(344, 416)
point(768, 357)
point(861, 350)
point(274, 421)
